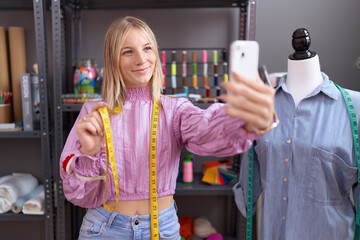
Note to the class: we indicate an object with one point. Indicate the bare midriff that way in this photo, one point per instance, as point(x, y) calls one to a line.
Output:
point(139, 207)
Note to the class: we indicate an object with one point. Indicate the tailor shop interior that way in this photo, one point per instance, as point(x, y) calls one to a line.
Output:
point(299, 180)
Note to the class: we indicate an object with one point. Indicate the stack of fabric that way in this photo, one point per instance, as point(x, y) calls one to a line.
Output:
point(21, 192)
point(218, 172)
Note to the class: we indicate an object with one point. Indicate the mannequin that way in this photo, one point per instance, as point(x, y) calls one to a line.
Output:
point(304, 73)
point(303, 169)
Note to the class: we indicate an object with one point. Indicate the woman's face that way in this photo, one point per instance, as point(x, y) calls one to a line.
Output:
point(137, 60)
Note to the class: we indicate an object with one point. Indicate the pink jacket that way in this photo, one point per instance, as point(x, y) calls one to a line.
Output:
point(202, 132)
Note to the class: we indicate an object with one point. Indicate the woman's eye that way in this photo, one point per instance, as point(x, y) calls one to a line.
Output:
point(147, 48)
point(127, 52)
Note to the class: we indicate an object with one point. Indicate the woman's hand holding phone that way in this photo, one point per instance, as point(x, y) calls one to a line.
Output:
point(251, 101)
point(249, 98)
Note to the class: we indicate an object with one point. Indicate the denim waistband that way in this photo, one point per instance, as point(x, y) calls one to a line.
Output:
point(115, 218)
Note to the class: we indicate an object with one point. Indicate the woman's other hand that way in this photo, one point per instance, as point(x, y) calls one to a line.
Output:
point(90, 130)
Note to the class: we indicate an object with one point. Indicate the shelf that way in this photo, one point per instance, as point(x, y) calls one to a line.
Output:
point(77, 107)
point(20, 217)
point(19, 5)
point(111, 4)
point(19, 134)
point(199, 188)
point(71, 107)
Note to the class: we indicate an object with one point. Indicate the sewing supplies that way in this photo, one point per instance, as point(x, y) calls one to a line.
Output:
point(173, 71)
point(194, 78)
point(163, 64)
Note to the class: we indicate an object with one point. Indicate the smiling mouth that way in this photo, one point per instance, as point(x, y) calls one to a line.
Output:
point(142, 70)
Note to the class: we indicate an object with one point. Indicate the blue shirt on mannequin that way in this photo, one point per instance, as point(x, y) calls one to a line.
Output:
point(305, 168)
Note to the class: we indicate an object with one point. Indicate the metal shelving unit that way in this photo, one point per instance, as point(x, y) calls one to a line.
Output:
point(198, 188)
point(65, 19)
point(20, 134)
point(41, 136)
point(21, 217)
point(42, 57)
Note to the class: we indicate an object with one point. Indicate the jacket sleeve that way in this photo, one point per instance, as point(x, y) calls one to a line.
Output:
point(82, 175)
point(211, 131)
point(241, 188)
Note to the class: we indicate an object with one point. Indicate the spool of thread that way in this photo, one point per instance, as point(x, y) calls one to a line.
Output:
point(184, 72)
point(204, 60)
point(218, 91)
point(173, 72)
point(163, 63)
point(163, 57)
point(193, 57)
point(173, 56)
point(188, 175)
point(215, 60)
point(226, 76)
point(207, 92)
point(186, 91)
point(196, 90)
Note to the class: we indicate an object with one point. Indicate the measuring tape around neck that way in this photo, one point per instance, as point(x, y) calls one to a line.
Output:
point(152, 173)
point(249, 210)
point(152, 164)
point(354, 129)
point(355, 133)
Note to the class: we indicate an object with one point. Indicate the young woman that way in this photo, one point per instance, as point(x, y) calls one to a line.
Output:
point(132, 81)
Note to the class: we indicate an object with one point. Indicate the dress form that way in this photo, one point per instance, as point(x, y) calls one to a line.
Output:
point(304, 73)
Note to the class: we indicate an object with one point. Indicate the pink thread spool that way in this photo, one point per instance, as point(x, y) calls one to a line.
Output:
point(188, 176)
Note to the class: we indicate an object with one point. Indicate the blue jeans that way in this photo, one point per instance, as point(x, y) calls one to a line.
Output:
point(99, 223)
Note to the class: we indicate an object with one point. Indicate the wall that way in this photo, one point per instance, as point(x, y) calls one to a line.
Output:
point(334, 30)
point(333, 27)
point(173, 28)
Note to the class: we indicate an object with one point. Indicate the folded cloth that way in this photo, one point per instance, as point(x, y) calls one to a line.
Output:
point(36, 205)
point(14, 186)
point(18, 204)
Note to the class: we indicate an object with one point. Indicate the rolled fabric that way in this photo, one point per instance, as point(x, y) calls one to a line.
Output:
point(17, 66)
point(36, 205)
point(4, 63)
point(18, 204)
point(14, 186)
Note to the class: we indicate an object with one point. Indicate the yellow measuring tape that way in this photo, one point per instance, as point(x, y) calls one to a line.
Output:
point(109, 153)
point(152, 165)
point(152, 173)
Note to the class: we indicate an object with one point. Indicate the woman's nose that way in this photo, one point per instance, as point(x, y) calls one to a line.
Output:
point(140, 58)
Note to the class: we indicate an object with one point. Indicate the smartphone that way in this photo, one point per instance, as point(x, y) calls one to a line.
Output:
point(244, 57)
point(264, 75)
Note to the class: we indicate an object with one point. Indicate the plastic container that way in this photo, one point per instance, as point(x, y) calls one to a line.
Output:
point(188, 174)
point(85, 77)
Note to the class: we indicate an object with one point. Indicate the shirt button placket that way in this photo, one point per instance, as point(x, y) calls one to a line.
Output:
point(285, 181)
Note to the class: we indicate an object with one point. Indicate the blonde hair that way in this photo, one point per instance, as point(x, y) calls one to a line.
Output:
point(114, 90)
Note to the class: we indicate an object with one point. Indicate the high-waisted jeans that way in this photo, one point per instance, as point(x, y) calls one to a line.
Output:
point(99, 223)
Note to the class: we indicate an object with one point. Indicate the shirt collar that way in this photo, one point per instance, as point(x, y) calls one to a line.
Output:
point(327, 87)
